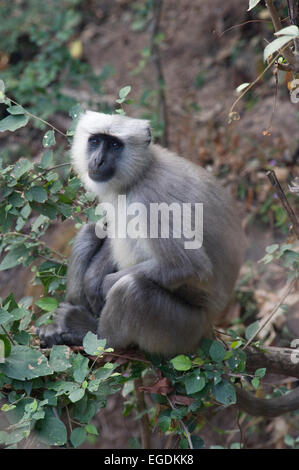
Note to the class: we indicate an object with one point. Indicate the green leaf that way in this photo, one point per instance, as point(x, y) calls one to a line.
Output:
point(47, 303)
point(76, 111)
point(76, 395)
point(252, 4)
point(7, 407)
point(26, 211)
point(181, 362)
point(47, 159)
point(164, 422)
point(41, 220)
point(12, 123)
point(36, 193)
point(2, 91)
point(242, 87)
point(272, 248)
point(197, 442)
point(5, 317)
point(255, 382)
point(51, 431)
point(217, 351)
point(60, 358)
point(78, 436)
point(7, 346)
point(292, 31)
point(92, 345)
point(21, 167)
point(236, 344)
point(194, 382)
point(260, 372)
point(49, 139)
point(15, 257)
point(275, 45)
point(62, 387)
point(25, 363)
point(80, 368)
point(91, 429)
point(224, 393)
point(251, 330)
point(123, 93)
point(15, 110)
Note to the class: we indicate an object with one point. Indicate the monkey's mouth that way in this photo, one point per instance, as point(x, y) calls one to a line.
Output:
point(95, 176)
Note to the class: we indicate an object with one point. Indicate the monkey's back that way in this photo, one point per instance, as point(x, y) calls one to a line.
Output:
point(174, 179)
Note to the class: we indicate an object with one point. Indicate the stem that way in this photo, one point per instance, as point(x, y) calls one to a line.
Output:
point(286, 205)
point(257, 79)
point(289, 289)
point(182, 424)
point(8, 335)
point(50, 169)
point(38, 118)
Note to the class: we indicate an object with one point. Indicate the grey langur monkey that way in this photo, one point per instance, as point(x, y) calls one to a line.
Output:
point(158, 293)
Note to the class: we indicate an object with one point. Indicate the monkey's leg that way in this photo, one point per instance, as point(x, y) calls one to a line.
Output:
point(139, 311)
point(85, 247)
point(73, 319)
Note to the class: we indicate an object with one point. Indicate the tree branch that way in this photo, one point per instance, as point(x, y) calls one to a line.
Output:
point(280, 361)
point(156, 57)
point(141, 407)
point(280, 193)
point(289, 56)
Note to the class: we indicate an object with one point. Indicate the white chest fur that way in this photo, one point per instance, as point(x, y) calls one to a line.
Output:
point(128, 252)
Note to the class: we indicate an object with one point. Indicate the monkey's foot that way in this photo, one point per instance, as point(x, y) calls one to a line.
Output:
point(71, 323)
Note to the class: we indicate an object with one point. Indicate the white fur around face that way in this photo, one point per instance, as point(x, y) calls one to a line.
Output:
point(133, 132)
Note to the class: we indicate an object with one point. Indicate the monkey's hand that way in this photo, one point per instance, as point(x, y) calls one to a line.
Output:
point(109, 282)
point(71, 323)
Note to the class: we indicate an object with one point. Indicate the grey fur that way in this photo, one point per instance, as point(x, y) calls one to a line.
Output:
point(160, 297)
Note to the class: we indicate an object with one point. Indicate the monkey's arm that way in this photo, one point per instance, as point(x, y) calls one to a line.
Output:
point(167, 274)
point(85, 246)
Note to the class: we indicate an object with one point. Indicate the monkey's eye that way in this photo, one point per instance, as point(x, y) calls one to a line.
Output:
point(115, 145)
point(94, 140)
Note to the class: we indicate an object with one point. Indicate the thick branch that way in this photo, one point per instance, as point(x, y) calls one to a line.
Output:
point(293, 6)
point(141, 407)
point(282, 361)
point(156, 57)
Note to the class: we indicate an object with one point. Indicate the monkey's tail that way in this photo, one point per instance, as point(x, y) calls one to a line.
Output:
point(269, 408)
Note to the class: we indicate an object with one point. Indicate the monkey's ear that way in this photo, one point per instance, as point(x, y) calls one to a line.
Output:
point(149, 136)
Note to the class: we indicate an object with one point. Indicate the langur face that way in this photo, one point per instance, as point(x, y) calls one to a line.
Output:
point(104, 151)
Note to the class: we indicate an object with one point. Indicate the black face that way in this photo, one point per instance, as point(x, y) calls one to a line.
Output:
point(103, 153)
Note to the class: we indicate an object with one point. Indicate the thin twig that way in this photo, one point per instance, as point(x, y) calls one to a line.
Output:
point(38, 118)
point(280, 193)
point(8, 335)
point(69, 419)
point(257, 79)
point(183, 426)
point(50, 169)
point(270, 316)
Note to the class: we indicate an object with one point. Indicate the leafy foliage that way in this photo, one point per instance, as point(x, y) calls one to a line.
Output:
point(39, 43)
